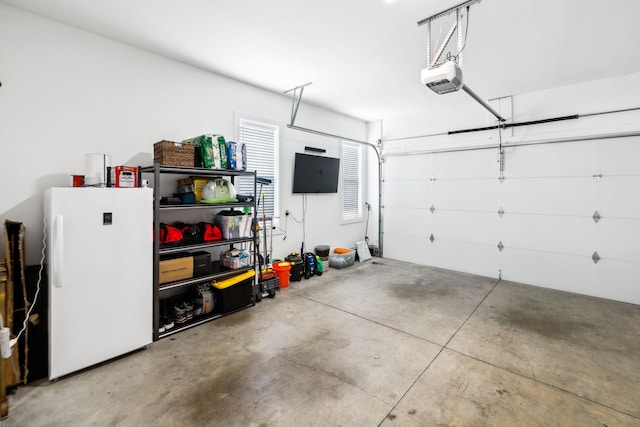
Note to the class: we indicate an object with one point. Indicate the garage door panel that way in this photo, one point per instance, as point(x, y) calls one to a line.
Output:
point(606, 279)
point(466, 195)
point(406, 222)
point(468, 258)
point(618, 156)
point(548, 233)
point(401, 193)
point(408, 167)
point(406, 248)
point(617, 196)
point(552, 160)
point(466, 226)
point(618, 239)
point(561, 196)
point(480, 164)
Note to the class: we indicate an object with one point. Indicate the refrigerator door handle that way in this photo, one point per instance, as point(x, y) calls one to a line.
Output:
point(58, 246)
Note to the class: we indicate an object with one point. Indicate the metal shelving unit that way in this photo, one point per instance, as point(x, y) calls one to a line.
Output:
point(168, 290)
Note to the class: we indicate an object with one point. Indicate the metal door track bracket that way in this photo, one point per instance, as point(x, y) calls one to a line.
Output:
point(595, 257)
point(596, 216)
point(297, 97)
point(500, 246)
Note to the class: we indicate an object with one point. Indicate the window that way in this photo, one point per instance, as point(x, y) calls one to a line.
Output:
point(351, 181)
point(262, 140)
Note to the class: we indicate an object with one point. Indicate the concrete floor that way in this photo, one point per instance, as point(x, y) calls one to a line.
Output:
point(380, 343)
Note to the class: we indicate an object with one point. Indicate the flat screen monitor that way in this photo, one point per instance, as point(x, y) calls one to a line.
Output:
point(315, 174)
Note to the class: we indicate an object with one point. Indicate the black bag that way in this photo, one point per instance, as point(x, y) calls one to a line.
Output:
point(191, 234)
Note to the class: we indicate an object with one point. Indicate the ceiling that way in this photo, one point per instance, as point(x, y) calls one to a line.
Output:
point(364, 56)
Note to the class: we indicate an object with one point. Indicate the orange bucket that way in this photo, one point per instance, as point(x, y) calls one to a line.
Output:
point(282, 269)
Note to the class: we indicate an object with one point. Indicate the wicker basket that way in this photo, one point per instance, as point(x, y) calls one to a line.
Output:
point(169, 153)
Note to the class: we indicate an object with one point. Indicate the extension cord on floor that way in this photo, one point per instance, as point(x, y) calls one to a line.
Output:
point(5, 343)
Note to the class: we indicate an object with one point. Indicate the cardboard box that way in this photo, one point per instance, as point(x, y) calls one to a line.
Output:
point(184, 265)
point(175, 267)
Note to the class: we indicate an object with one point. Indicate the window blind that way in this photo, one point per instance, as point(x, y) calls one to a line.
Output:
point(261, 140)
point(351, 180)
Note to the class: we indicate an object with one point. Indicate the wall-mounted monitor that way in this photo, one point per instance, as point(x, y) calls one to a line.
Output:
point(315, 174)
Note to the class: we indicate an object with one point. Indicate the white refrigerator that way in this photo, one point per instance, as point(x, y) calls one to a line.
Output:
point(100, 263)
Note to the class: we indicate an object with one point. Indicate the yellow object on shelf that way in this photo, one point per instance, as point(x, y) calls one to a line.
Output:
point(223, 284)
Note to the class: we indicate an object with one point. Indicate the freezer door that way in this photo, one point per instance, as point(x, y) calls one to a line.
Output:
point(101, 274)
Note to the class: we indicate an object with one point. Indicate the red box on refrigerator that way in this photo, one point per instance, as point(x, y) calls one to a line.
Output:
point(125, 176)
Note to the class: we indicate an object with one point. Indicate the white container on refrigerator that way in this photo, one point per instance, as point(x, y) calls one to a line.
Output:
point(100, 263)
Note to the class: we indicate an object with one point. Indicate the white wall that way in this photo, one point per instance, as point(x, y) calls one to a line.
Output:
point(548, 195)
point(66, 92)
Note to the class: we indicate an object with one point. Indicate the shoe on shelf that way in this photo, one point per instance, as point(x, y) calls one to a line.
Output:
point(188, 305)
point(168, 323)
point(179, 313)
point(161, 328)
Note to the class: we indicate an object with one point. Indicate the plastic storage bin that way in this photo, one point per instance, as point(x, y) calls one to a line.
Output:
point(235, 259)
point(233, 293)
point(234, 224)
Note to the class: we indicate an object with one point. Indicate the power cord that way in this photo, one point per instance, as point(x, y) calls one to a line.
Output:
point(15, 340)
point(366, 229)
point(466, 30)
point(304, 215)
point(304, 228)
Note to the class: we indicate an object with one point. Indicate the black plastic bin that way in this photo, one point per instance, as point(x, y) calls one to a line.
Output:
point(234, 297)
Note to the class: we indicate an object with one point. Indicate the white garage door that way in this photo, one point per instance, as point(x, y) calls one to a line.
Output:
point(541, 214)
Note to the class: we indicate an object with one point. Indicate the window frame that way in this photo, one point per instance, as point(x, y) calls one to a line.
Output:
point(241, 119)
point(358, 216)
